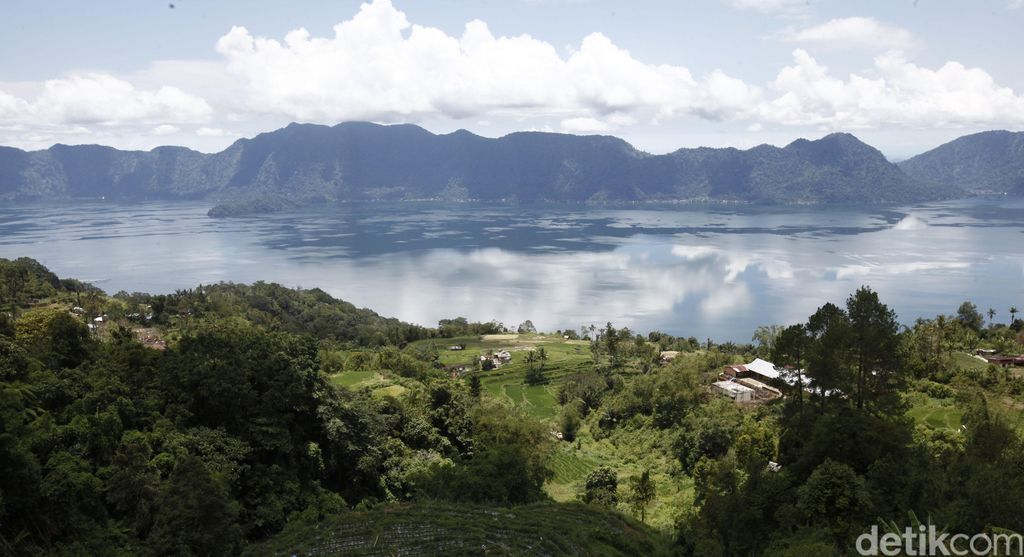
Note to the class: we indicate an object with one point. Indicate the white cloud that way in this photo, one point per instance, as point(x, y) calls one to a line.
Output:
point(854, 32)
point(214, 132)
point(584, 125)
point(378, 66)
point(102, 99)
point(899, 93)
point(165, 129)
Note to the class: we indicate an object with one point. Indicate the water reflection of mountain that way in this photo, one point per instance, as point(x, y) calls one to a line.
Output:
point(701, 272)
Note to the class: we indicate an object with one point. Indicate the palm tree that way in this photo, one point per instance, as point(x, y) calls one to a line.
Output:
point(991, 314)
point(1013, 313)
point(542, 356)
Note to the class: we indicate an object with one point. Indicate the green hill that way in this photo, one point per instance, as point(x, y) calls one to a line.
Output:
point(451, 530)
point(990, 161)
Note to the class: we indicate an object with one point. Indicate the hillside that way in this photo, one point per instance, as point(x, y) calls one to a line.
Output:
point(261, 420)
point(356, 161)
point(446, 529)
point(990, 161)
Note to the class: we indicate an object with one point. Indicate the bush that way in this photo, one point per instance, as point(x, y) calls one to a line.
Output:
point(601, 487)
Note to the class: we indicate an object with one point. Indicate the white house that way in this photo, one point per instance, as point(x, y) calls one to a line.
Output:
point(733, 390)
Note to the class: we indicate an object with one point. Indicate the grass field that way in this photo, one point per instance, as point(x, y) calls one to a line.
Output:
point(936, 413)
point(967, 361)
point(355, 379)
point(373, 380)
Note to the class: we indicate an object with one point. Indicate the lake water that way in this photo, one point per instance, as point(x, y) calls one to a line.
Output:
point(704, 272)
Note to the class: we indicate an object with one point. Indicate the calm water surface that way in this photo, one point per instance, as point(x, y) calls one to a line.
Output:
point(702, 272)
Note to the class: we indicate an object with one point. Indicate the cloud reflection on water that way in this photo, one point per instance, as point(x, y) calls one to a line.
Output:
point(690, 272)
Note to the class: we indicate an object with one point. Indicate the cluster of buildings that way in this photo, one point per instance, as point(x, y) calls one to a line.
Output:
point(496, 359)
point(749, 382)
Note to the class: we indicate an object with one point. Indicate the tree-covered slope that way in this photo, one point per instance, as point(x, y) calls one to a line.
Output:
point(987, 161)
point(303, 163)
point(427, 529)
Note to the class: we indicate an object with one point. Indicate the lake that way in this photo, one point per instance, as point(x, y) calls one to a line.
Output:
point(706, 272)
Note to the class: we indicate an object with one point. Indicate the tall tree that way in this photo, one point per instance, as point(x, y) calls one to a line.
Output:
point(765, 336)
point(827, 355)
point(534, 374)
point(969, 316)
point(790, 349)
point(874, 344)
point(641, 492)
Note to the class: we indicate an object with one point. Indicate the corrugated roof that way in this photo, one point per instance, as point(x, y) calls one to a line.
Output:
point(764, 368)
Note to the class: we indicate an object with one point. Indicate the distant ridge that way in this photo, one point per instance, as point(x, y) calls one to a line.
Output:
point(359, 161)
point(991, 162)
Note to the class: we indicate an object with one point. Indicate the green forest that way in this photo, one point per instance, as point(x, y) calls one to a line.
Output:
point(261, 420)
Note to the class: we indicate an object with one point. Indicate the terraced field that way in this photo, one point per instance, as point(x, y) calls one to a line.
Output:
point(427, 529)
point(354, 378)
point(380, 385)
point(565, 357)
point(937, 414)
point(628, 452)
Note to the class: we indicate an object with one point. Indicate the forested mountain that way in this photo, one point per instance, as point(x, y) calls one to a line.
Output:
point(363, 161)
point(986, 161)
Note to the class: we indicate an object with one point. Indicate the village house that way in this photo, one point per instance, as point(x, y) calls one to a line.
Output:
point(759, 369)
point(733, 390)
point(494, 360)
point(668, 355)
point(1006, 361)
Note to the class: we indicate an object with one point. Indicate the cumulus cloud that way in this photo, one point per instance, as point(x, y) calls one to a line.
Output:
point(102, 99)
point(214, 132)
point(898, 93)
point(854, 32)
point(379, 66)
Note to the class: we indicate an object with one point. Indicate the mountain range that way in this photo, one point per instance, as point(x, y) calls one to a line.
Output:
point(358, 161)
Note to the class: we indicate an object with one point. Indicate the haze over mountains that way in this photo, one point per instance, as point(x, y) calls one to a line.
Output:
point(358, 161)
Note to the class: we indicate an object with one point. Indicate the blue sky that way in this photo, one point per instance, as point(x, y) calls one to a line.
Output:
point(902, 75)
